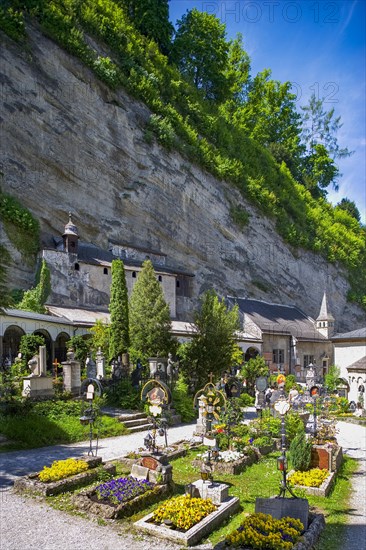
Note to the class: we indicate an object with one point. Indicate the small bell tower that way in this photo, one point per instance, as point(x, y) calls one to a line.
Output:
point(70, 237)
point(325, 320)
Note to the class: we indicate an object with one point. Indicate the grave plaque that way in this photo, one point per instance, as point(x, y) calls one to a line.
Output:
point(149, 462)
point(278, 508)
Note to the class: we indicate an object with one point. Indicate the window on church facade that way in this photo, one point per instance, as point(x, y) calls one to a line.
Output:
point(105, 271)
point(307, 360)
point(160, 278)
point(77, 267)
point(134, 274)
point(278, 356)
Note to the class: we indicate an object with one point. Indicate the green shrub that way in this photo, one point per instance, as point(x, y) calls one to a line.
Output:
point(300, 453)
point(12, 23)
point(239, 216)
point(123, 395)
point(246, 400)
point(262, 441)
point(182, 401)
point(294, 426)
point(20, 226)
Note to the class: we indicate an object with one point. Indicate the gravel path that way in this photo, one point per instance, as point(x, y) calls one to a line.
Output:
point(27, 524)
point(353, 440)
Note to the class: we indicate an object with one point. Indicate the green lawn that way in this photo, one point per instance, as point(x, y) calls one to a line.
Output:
point(52, 423)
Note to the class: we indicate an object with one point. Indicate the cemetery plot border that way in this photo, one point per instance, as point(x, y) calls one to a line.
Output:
point(308, 539)
point(233, 468)
point(31, 483)
point(173, 454)
point(321, 491)
point(195, 533)
point(87, 501)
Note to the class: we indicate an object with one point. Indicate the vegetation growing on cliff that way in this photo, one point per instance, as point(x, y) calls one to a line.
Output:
point(35, 298)
point(20, 226)
point(204, 103)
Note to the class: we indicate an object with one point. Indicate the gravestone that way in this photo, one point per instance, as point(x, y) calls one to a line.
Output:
point(100, 365)
point(279, 507)
point(37, 384)
point(91, 367)
point(71, 373)
point(201, 420)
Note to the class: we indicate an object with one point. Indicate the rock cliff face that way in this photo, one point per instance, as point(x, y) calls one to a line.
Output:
point(69, 144)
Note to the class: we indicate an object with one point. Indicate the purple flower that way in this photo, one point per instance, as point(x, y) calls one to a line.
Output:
point(123, 489)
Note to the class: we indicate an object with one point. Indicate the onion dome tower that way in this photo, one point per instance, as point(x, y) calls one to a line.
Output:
point(70, 237)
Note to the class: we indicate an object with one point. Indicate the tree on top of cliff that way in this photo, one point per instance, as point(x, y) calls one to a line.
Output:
point(200, 51)
point(213, 346)
point(150, 323)
point(151, 18)
point(350, 207)
point(119, 339)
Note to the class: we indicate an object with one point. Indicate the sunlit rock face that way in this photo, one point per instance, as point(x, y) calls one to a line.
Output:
point(70, 144)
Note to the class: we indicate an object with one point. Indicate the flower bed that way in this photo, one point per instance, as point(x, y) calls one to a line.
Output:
point(61, 469)
point(319, 484)
point(305, 542)
point(263, 531)
point(119, 497)
point(232, 462)
point(311, 478)
point(33, 484)
point(183, 512)
point(122, 489)
point(193, 535)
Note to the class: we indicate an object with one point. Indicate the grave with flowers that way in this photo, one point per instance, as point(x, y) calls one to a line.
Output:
point(64, 475)
point(186, 519)
point(151, 474)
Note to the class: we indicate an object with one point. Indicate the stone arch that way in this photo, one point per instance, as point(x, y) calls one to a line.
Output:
point(251, 353)
point(49, 346)
point(11, 342)
point(61, 347)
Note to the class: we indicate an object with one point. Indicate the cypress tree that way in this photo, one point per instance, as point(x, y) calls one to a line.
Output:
point(149, 317)
point(118, 307)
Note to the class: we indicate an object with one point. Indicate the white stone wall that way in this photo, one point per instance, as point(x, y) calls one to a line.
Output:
point(347, 353)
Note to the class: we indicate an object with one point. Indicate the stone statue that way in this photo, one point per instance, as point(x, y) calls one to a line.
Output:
point(33, 365)
point(172, 368)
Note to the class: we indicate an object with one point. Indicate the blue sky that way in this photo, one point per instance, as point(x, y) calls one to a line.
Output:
point(319, 46)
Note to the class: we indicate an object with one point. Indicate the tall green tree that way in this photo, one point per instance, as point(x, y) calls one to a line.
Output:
point(151, 18)
point(321, 126)
point(119, 339)
point(319, 138)
point(268, 113)
point(200, 50)
point(350, 207)
point(213, 346)
point(100, 337)
point(150, 325)
point(237, 70)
